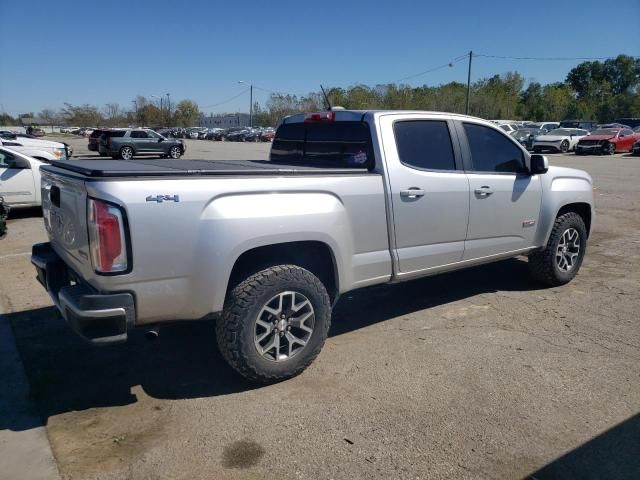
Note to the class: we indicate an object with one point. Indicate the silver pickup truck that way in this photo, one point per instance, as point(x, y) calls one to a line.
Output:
point(347, 199)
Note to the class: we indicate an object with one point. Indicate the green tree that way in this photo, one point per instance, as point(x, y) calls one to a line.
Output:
point(186, 113)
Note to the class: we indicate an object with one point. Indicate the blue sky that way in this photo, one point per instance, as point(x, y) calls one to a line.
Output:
point(110, 51)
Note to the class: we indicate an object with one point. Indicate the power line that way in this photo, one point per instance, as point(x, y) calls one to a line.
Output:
point(562, 59)
point(434, 69)
point(227, 100)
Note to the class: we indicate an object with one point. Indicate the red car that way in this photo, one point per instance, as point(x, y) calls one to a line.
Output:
point(607, 141)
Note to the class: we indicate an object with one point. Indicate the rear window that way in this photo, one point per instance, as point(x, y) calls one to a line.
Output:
point(332, 145)
point(96, 133)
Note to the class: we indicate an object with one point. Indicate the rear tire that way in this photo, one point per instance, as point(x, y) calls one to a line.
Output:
point(561, 259)
point(126, 153)
point(564, 146)
point(262, 306)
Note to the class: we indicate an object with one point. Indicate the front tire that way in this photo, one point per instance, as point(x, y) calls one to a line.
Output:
point(610, 149)
point(175, 152)
point(561, 259)
point(274, 323)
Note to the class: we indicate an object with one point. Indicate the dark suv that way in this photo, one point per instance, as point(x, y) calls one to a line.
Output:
point(125, 143)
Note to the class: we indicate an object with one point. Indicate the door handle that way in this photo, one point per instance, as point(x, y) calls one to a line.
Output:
point(483, 191)
point(412, 193)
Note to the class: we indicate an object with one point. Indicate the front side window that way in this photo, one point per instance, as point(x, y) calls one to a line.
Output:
point(424, 144)
point(138, 134)
point(493, 152)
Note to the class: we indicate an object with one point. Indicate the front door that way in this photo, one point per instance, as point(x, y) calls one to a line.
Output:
point(16, 179)
point(504, 199)
point(429, 191)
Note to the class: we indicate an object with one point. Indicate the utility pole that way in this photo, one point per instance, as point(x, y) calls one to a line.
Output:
point(251, 106)
point(466, 110)
point(168, 110)
point(250, 101)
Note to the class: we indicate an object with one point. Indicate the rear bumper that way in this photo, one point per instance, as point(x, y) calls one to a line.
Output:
point(93, 147)
point(100, 318)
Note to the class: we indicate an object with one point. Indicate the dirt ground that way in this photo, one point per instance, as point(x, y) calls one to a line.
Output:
point(475, 374)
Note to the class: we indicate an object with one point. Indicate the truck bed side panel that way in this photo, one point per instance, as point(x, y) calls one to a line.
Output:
point(183, 252)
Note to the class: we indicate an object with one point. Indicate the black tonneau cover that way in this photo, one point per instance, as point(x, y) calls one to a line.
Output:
point(154, 168)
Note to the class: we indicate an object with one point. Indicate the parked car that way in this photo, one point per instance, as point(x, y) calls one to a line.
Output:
point(582, 124)
point(236, 135)
point(526, 136)
point(547, 126)
point(267, 134)
point(559, 140)
point(215, 134)
point(509, 127)
point(267, 247)
point(608, 141)
point(130, 142)
point(252, 135)
point(636, 147)
point(43, 150)
point(19, 179)
point(631, 122)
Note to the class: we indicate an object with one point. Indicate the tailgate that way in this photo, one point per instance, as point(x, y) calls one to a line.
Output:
point(64, 208)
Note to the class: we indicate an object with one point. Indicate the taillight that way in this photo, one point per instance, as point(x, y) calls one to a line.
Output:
point(106, 237)
point(320, 117)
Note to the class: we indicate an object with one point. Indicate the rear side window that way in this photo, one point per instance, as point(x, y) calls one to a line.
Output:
point(332, 145)
point(113, 133)
point(491, 151)
point(424, 144)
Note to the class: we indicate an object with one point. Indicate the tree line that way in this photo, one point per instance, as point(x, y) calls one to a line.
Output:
point(185, 113)
point(600, 91)
point(593, 90)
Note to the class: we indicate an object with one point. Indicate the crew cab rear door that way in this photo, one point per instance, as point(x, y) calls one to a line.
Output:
point(429, 191)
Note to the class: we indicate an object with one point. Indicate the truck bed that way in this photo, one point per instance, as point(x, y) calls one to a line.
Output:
point(180, 168)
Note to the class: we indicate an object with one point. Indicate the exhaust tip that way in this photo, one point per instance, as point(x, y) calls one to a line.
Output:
point(151, 334)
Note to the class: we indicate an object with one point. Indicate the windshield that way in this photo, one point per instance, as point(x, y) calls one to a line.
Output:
point(605, 131)
point(563, 132)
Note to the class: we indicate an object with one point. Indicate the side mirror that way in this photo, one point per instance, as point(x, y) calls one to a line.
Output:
point(160, 139)
point(539, 164)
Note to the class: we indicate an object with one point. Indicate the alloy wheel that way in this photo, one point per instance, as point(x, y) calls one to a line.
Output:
point(568, 250)
point(284, 326)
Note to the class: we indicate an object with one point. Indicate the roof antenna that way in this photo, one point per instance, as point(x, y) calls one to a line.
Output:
point(326, 99)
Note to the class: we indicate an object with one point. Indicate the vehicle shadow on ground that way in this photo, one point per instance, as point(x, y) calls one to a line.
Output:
point(31, 212)
point(67, 374)
point(612, 454)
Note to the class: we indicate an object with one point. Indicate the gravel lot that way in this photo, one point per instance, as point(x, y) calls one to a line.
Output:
point(474, 374)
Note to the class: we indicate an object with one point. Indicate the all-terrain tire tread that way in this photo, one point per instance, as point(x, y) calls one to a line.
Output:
point(239, 301)
point(541, 263)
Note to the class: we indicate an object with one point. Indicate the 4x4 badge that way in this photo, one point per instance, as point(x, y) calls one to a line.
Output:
point(163, 198)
